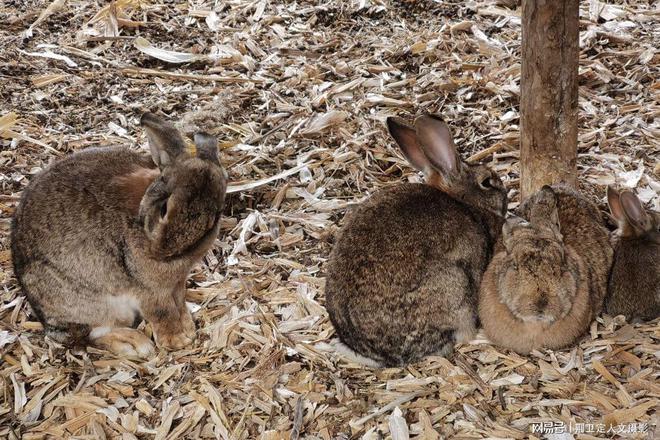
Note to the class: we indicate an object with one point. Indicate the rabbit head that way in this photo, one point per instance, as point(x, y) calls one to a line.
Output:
point(429, 147)
point(632, 220)
point(537, 284)
point(183, 204)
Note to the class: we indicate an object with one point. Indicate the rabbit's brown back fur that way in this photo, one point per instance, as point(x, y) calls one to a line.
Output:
point(547, 284)
point(82, 251)
point(403, 276)
point(634, 284)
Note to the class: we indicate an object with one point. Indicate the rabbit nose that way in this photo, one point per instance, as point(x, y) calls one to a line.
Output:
point(541, 303)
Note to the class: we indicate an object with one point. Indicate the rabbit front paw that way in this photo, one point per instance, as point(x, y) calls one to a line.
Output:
point(173, 341)
point(174, 336)
point(173, 327)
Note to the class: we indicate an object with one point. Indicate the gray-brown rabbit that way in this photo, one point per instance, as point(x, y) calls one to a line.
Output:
point(548, 283)
point(634, 284)
point(109, 235)
point(403, 276)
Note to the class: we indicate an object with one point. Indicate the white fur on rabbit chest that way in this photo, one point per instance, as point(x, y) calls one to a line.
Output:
point(123, 308)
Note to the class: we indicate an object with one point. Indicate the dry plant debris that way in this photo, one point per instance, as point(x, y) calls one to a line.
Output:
point(306, 85)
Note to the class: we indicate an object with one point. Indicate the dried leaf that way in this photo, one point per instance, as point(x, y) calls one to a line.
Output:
point(144, 46)
point(324, 121)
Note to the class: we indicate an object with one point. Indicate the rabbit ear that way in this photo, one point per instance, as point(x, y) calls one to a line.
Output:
point(507, 230)
point(207, 147)
point(544, 210)
point(406, 138)
point(634, 211)
point(614, 202)
point(437, 144)
point(165, 142)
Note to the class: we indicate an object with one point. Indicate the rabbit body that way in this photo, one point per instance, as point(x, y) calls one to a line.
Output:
point(548, 283)
point(104, 237)
point(403, 276)
point(405, 272)
point(634, 283)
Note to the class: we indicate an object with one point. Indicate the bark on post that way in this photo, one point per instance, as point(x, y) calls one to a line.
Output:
point(549, 93)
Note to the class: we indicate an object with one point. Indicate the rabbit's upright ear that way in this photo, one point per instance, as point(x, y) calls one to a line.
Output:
point(406, 137)
point(544, 210)
point(207, 147)
point(437, 144)
point(507, 230)
point(165, 141)
point(614, 202)
point(634, 212)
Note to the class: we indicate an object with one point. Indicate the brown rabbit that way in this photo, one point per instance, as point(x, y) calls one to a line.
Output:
point(634, 285)
point(403, 276)
point(549, 282)
point(108, 235)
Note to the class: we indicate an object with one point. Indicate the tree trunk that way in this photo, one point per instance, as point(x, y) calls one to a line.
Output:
point(549, 94)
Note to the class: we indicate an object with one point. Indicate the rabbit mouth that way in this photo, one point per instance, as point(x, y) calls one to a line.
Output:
point(539, 319)
point(195, 245)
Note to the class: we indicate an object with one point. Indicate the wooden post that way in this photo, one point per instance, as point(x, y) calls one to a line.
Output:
point(549, 93)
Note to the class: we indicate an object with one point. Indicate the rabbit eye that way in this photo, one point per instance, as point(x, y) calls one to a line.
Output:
point(163, 209)
point(486, 183)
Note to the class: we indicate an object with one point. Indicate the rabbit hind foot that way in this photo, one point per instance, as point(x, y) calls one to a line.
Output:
point(353, 356)
point(123, 341)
